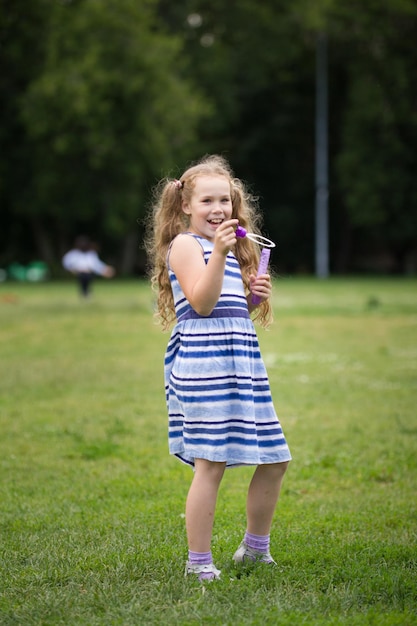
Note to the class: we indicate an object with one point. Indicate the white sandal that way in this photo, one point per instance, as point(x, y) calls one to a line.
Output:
point(204, 572)
point(245, 554)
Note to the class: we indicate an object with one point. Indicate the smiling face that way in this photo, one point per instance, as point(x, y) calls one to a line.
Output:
point(209, 206)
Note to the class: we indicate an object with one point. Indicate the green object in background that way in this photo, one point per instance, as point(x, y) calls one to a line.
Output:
point(37, 271)
point(16, 271)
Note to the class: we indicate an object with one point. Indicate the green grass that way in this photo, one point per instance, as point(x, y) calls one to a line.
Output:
point(92, 506)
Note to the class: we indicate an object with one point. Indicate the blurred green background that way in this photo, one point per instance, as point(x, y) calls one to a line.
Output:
point(99, 99)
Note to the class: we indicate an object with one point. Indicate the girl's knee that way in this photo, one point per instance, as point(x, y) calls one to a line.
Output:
point(211, 470)
point(275, 470)
point(283, 467)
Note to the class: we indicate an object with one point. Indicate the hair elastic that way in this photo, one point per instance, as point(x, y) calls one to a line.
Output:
point(177, 183)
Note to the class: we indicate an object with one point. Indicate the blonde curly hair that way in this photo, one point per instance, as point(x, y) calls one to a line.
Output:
point(167, 219)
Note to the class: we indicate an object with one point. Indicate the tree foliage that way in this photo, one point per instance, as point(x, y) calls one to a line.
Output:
point(101, 98)
point(379, 133)
point(259, 72)
point(102, 117)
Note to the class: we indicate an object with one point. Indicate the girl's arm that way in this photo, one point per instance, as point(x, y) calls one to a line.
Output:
point(202, 283)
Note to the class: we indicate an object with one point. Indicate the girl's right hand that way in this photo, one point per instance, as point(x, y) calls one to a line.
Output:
point(225, 236)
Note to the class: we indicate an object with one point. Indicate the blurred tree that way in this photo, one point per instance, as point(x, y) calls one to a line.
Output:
point(376, 160)
point(105, 114)
point(20, 59)
point(103, 97)
point(255, 63)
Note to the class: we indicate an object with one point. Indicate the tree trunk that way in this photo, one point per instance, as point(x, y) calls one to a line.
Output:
point(129, 253)
point(43, 242)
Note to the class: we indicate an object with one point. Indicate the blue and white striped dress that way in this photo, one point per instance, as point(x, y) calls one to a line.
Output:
point(217, 389)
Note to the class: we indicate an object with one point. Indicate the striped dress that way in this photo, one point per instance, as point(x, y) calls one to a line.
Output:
point(217, 389)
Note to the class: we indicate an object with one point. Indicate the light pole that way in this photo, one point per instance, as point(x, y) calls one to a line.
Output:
point(322, 192)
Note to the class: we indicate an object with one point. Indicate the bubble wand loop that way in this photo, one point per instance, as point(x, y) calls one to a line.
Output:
point(265, 253)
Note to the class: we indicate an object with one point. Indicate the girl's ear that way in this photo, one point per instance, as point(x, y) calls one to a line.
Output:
point(185, 208)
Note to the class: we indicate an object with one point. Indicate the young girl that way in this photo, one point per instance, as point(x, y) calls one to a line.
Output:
point(217, 391)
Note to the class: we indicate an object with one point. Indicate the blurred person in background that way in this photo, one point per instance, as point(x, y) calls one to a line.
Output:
point(84, 263)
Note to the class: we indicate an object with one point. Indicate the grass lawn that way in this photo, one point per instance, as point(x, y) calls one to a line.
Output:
point(92, 505)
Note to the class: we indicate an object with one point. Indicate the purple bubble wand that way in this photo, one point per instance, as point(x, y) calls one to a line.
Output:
point(266, 244)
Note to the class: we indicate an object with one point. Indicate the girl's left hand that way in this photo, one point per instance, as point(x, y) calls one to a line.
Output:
point(260, 286)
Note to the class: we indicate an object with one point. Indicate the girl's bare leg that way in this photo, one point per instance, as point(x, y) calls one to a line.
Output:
point(263, 495)
point(201, 504)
